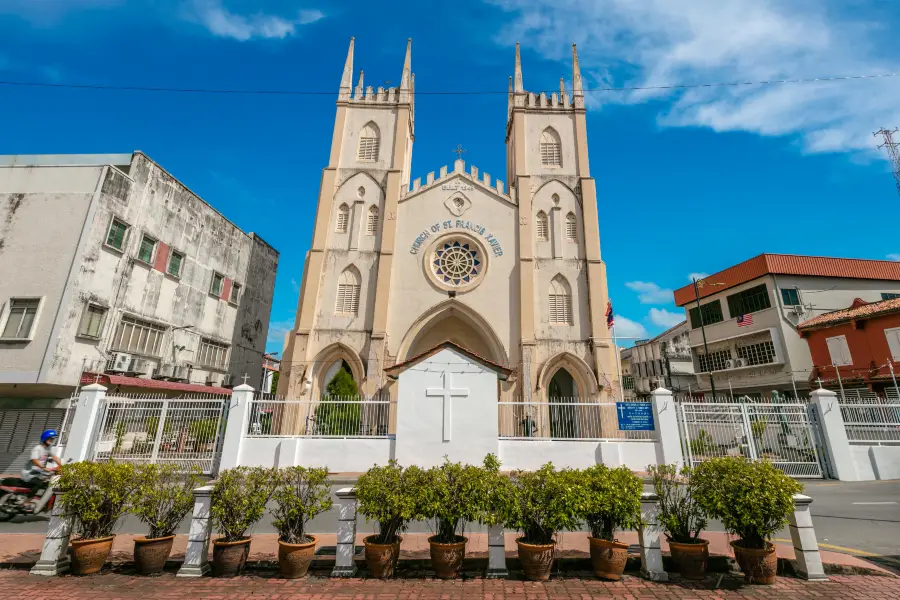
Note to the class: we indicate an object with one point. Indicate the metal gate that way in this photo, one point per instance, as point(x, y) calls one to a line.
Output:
point(141, 429)
point(780, 432)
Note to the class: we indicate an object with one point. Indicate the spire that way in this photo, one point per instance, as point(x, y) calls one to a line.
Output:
point(359, 87)
point(407, 71)
point(347, 77)
point(562, 86)
point(519, 86)
point(509, 104)
point(577, 89)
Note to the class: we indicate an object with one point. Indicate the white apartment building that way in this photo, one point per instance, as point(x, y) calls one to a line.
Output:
point(664, 361)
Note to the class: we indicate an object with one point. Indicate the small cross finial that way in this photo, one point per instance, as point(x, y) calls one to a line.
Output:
point(459, 150)
point(245, 378)
point(97, 378)
point(819, 381)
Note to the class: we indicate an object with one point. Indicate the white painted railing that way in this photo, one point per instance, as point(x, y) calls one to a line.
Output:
point(871, 422)
point(565, 420)
point(326, 418)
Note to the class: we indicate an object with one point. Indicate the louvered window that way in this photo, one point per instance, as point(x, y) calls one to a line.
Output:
point(343, 219)
point(571, 228)
point(560, 301)
point(348, 293)
point(372, 221)
point(551, 154)
point(542, 227)
point(368, 144)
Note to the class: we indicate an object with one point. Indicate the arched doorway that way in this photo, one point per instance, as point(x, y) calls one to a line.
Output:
point(562, 393)
point(332, 370)
point(453, 322)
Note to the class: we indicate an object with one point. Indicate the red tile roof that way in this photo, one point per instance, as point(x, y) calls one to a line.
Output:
point(394, 371)
point(858, 310)
point(789, 264)
point(153, 384)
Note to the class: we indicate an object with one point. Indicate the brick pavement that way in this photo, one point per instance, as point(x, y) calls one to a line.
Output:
point(19, 585)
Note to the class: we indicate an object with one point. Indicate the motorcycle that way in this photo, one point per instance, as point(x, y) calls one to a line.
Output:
point(19, 498)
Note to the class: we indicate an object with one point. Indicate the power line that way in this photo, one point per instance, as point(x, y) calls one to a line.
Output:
point(188, 90)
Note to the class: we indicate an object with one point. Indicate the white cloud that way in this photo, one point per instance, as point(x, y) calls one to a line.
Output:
point(650, 293)
point(665, 318)
point(626, 328)
point(48, 12)
point(669, 42)
point(277, 332)
point(697, 276)
point(295, 285)
point(893, 257)
point(213, 15)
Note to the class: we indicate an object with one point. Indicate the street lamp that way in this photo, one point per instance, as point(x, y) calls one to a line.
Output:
point(697, 286)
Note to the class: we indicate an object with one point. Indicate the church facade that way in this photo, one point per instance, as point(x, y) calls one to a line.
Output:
point(510, 271)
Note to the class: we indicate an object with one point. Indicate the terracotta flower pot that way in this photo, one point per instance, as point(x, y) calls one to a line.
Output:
point(536, 559)
point(608, 558)
point(294, 559)
point(447, 559)
point(229, 558)
point(151, 554)
point(758, 566)
point(691, 559)
point(88, 556)
point(381, 559)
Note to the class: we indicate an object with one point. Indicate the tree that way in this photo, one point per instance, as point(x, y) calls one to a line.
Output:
point(275, 381)
point(339, 411)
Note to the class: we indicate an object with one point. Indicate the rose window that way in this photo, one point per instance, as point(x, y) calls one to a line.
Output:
point(456, 263)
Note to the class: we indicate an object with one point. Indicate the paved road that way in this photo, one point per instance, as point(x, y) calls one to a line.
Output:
point(857, 518)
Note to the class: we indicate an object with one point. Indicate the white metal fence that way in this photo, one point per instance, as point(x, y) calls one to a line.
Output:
point(326, 418)
point(782, 432)
point(871, 421)
point(564, 420)
point(146, 429)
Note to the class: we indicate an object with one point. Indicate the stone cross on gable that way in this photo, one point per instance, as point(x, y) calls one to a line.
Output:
point(459, 150)
point(447, 393)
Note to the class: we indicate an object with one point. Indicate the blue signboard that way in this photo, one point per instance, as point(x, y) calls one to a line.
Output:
point(635, 416)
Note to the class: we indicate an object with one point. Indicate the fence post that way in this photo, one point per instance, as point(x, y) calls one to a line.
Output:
point(344, 565)
point(160, 427)
point(83, 428)
point(806, 547)
point(496, 568)
point(834, 434)
point(665, 415)
point(196, 554)
point(648, 536)
point(236, 426)
point(54, 558)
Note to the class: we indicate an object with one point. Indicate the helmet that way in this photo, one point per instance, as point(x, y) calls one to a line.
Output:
point(49, 434)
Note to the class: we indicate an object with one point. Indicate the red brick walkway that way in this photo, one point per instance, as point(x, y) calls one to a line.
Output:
point(19, 585)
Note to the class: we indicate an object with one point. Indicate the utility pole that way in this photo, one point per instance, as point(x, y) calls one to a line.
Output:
point(894, 378)
point(712, 383)
point(893, 153)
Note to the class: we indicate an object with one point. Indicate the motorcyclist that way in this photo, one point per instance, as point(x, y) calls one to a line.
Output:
point(37, 470)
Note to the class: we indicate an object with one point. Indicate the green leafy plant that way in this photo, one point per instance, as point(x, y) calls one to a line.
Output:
point(96, 496)
point(300, 494)
point(239, 498)
point(758, 428)
point(386, 495)
point(204, 430)
point(451, 495)
point(164, 495)
point(545, 502)
point(702, 444)
point(153, 427)
point(609, 500)
point(120, 436)
point(752, 498)
point(497, 494)
point(679, 513)
point(339, 411)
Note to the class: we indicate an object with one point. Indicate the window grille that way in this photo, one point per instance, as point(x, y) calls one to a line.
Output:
point(714, 361)
point(749, 301)
point(141, 337)
point(212, 354)
point(762, 353)
point(712, 313)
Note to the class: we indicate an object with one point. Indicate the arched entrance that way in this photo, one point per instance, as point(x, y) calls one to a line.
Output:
point(563, 394)
point(452, 322)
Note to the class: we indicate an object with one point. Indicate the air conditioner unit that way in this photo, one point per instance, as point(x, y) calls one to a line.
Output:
point(165, 371)
point(798, 309)
point(140, 366)
point(120, 363)
point(729, 364)
point(181, 373)
point(741, 362)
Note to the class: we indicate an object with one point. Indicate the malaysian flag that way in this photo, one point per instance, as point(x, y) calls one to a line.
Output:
point(610, 318)
point(745, 320)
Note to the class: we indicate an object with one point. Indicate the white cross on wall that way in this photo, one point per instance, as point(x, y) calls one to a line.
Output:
point(447, 393)
point(621, 411)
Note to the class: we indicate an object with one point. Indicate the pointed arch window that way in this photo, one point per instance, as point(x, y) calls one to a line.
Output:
point(560, 301)
point(343, 219)
point(348, 292)
point(368, 143)
point(571, 228)
point(542, 227)
point(372, 221)
point(551, 152)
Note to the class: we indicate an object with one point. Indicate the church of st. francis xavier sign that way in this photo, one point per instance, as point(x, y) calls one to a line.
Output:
point(455, 225)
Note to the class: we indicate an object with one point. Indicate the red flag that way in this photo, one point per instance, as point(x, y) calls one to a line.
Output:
point(610, 318)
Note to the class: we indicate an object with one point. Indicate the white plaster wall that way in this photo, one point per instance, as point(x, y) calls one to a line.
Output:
point(531, 455)
point(568, 203)
point(358, 115)
point(338, 455)
point(875, 463)
point(420, 418)
point(564, 124)
point(865, 471)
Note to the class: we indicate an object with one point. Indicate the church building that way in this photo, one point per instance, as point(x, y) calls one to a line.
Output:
point(510, 272)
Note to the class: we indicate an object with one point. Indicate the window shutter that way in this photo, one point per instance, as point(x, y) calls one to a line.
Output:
point(893, 340)
point(368, 149)
point(571, 228)
point(839, 351)
point(372, 223)
point(550, 154)
point(542, 226)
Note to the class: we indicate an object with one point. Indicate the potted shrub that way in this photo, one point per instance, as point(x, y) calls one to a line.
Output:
point(450, 498)
point(753, 500)
point(163, 496)
point(496, 495)
point(544, 502)
point(681, 518)
point(383, 495)
point(611, 501)
point(96, 495)
point(239, 498)
point(300, 494)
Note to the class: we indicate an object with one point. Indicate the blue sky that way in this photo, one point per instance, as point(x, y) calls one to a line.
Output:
point(688, 181)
